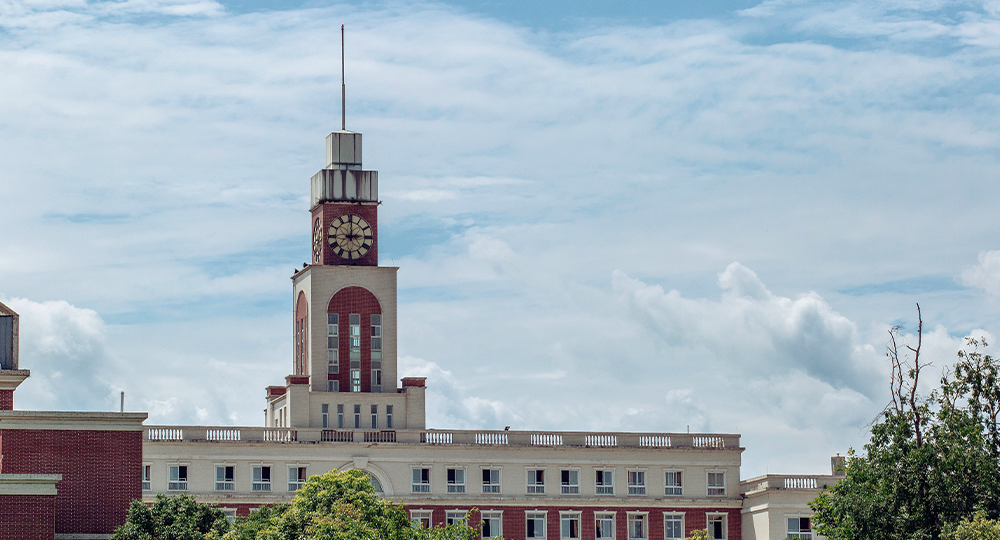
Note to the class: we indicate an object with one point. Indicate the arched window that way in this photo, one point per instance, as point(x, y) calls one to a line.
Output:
point(301, 335)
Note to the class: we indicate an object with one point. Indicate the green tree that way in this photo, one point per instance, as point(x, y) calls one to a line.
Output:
point(172, 518)
point(931, 460)
point(979, 528)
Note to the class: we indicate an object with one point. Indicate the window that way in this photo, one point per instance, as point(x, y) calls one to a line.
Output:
point(354, 336)
point(491, 480)
point(716, 526)
point(716, 483)
point(374, 410)
point(455, 516)
point(456, 480)
point(674, 485)
point(177, 478)
point(492, 524)
point(421, 519)
point(340, 416)
point(570, 482)
point(605, 482)
point(357, 417)
point(799, 527)
point(326, 416)
point(673, 526)
point(388, 417)
point(355, 380)
point(332, 343)
point(377, 338)
point(375, 482)
point(261, 478)
point(535, 525)
point(145, 477)
point(569, 526)
point(333, 386)
point(376, 380)
point(636, 483)
point(296, 478)
point(421, 481)
point(637, 526)
point(224, 480)
point(536, 481)
point(605, 525)
point(230, 514)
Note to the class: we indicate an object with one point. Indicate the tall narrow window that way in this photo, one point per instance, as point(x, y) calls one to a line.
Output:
point(332, 343)
point(376, 380)
point(261, 478)
point(536, 481)
point(376, 337)
point(674, 484)
point(326, 416)
point(224, 478)
point(388, 417)
point(340, 416)
point(374, 416)
point(717, 484)
point(605, 525)
point(355, 380)
point(145, 477)
point(492, 524)
point(355, 336)
point(605, 482)
point(717, 527)
point(637, 527)
point(673, 526)
point(357, 417)
point(535, 525)
point(570, 482)
point(569, 526)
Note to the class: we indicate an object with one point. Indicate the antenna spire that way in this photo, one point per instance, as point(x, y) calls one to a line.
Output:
point(343, 85)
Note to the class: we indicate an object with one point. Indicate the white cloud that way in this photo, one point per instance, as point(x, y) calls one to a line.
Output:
point(986, 274)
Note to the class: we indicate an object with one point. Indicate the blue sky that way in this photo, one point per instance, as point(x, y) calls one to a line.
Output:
point(699, 214)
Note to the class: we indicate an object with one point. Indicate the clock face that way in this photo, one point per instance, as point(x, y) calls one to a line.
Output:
point(350, 237)
point(317, 242)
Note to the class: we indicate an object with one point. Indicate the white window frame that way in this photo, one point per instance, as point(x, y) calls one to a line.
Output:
point(715, 490)
point(300, 477)
point(373, 410)
point(630, 519)
point(674, 516)
point(532, 487)
point(531, 515)
point(454, 486)
point(609, 515)
point(456, 515)
point(495, 516)
point(808, 535)
point(417, 516)
point(604, 488)
point(568, 487)
point(424, 485)
point(261, 485)
point(225, 484)
point(333, 353)
point(637, 488)
point(325, 411)
point(674, 490)
point(230, 514)
point(147, 474)
point(181, 483)
point(710, 518)
point(491, 488)
point(568, 517)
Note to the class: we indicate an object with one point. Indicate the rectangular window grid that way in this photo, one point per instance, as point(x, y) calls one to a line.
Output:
point(326, 415)
point(376, 380)
point(177, 478)
point(717, 527)
point(604, 526)
point(145, 477)
point(296, 478)
point(261, 478)
point(799, 527)
point(376, 337)
point(536, 481)
point(636, 483)
point(605, 482)
point(456, 480)
point(673, 526)
point(354, 336)
point(534, 525)
point(333, 386)
point(333, 343)
point(674, 485)
point(637, 527)
point(388, 417)
point(717, 484)
point(491, 480)
point(455, 516)
point(492, 524)
point(357, 417)
point(569, 526)
point(374, 412)
point(570, 482)
point(421, 519)
point(421, 481)
point(224, 478)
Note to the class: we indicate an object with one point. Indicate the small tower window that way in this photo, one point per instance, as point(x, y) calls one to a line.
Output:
point(333, 342)
point(376, 337)
point(355, 336)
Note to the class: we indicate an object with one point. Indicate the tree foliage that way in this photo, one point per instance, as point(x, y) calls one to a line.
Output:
point(172, 518)
point(932, 460)
point(979, 528)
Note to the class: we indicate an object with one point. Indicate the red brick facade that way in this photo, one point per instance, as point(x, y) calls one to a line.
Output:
point(301, 335)
point(27, 517)
point(6, 400)
point(100, 472)
point(360, 301)
point(327, 212)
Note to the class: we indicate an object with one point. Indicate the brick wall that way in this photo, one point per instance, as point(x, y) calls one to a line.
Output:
point(327, 212)
point(101, 473)
point(6, 400)
point(27, 517)
point(355, 300)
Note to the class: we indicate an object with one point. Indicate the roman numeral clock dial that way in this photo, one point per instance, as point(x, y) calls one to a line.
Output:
point(350, 237)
